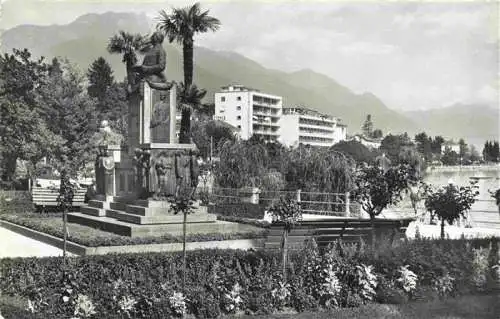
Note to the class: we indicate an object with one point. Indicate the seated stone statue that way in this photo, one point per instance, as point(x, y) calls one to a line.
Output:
point(153, 65)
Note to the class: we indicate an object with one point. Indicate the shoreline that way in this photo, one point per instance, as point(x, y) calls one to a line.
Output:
point(465, 168)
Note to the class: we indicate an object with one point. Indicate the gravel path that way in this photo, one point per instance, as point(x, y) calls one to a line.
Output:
point(16, 245)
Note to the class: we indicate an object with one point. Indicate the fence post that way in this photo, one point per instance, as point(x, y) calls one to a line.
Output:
point(298, 195)
point(347, 204)
point(254, 196)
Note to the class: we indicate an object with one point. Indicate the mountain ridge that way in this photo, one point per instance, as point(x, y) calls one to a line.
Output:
point(80, 42)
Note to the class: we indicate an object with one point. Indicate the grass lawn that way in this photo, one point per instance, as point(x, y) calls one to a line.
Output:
point(487, 306)
point(52, 224)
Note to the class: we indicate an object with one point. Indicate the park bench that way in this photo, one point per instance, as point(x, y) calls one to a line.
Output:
point(44, 198)
point(329, 231)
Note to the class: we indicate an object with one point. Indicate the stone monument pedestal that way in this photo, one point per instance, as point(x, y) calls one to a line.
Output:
point(135, 183)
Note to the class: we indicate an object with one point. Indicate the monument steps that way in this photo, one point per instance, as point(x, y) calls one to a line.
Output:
point(160, 218)
point(93, 211)
point(146, 211)
point(113, 225)
point(118, 206)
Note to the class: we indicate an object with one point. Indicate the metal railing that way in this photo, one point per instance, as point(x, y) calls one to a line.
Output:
point(316, 203)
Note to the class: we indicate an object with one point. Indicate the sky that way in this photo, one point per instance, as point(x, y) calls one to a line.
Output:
point(412, 55)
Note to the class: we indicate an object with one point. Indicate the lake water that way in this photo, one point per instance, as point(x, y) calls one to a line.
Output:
point(488, 178)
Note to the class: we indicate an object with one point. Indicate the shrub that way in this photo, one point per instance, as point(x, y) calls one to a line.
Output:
point(246, 210)
point(227, 281)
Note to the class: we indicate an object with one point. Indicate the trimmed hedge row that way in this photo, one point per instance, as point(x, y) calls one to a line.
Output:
point(38, 223)
point(223, 281)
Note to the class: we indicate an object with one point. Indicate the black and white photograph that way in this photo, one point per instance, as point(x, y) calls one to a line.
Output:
point(249, 159)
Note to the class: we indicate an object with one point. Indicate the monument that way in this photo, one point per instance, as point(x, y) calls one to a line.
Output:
point(136, 180)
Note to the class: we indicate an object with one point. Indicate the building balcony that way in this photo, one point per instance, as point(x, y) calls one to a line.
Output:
point(267, 113)
point(266, 105)
point(317, 134)
point(325, 119)
point(326, 127)
point(265, 123)
point(266, 132)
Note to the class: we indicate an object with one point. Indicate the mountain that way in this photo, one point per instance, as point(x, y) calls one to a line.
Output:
point(85, 39)
point(473, 123)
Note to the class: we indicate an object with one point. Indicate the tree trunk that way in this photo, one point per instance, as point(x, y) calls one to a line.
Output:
point(187, 56)
point(65, 230)
point(442, 228)
point(9, 163)
point(284, 252)
point(185, 131)
point(374, 236)
point(184, 253)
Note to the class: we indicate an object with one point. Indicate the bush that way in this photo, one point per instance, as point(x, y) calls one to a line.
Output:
point(227, 281)
point(15, 202)
point(246, 210)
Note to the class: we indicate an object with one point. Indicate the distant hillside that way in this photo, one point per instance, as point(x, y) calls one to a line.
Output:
point(85, 39)
point(474, 123)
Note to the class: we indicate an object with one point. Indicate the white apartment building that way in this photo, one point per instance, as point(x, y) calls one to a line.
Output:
point(305, 126)
point(251, 111)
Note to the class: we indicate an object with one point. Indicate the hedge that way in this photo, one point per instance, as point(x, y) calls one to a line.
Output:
point(217, 280)
point(90, 237)
point(246, 210)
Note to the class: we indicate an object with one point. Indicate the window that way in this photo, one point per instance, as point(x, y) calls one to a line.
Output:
point(238, 117)
point(239, 126)
point(238, 98)
point(223, 99)
point(238, 108)
point(221, 111)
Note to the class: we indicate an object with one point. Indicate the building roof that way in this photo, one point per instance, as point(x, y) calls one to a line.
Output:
point(305, 111)
point(237, 88)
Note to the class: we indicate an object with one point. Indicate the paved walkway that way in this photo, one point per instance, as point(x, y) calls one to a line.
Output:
point(16, 245)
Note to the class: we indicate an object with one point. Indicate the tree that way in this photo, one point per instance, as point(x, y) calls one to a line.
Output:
point(450, 157)
point(101, 78)
point(450, 202)
point(474, 154)
point(317, 169)
point(181, 26)
point(377, 133)
point(436, 145)
point(491, 151)
point(72, 115)
point(189, 100)
point(127, 44)
point(65, 199)
point(288, 213)
point(183, 203)
point(464, 150)
point(242, 163)
point(392, 145)
point(24, 132)
point(356, 150)
point(376, 190)
point(367, 127)
point(424, 145)
point(210, 135)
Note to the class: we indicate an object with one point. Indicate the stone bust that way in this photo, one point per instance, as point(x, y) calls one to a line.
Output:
point(153, 65)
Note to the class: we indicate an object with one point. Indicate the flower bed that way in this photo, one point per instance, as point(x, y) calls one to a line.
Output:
point(52, 224)
point(232, 281)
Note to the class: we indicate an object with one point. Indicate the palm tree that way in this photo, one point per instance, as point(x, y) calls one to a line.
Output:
point(189, 101)
point(127, 44)
point(181, 26)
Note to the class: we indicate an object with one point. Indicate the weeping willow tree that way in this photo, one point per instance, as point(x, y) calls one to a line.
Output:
point(320, 170)
point(241, 164)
